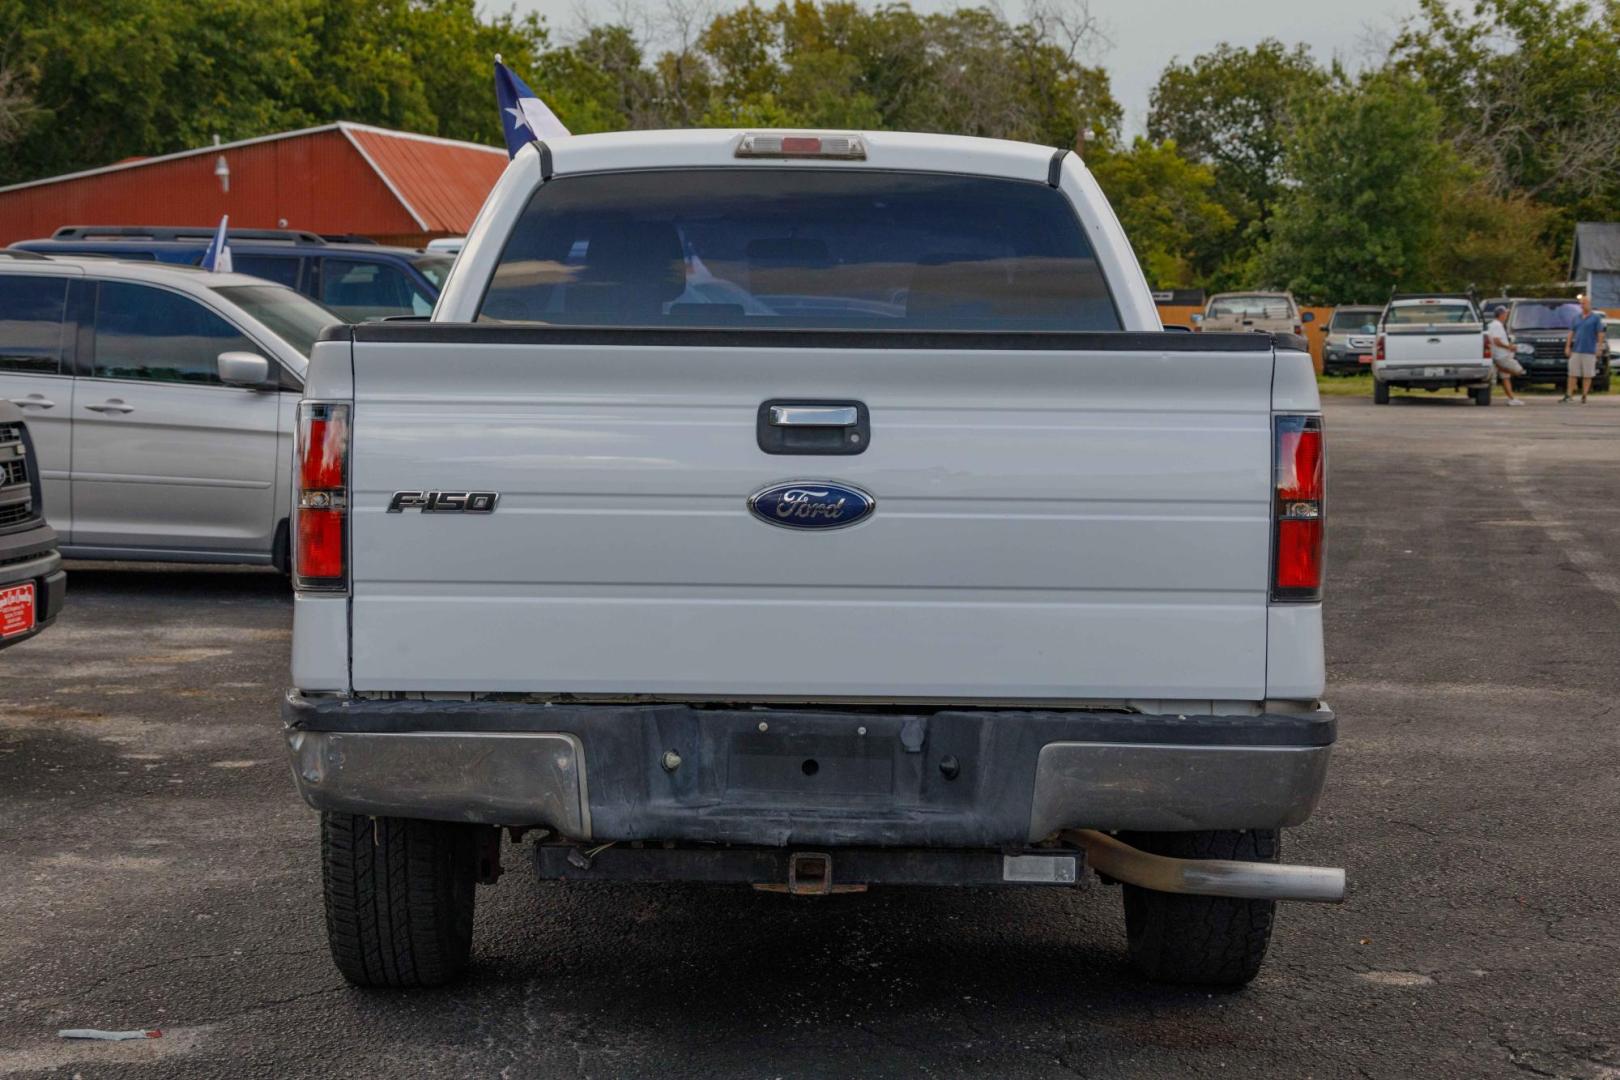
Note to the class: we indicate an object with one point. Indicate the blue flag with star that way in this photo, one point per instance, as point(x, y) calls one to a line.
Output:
point(524, 117)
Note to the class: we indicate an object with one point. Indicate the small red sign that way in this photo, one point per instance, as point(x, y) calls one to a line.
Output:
point(16, 610)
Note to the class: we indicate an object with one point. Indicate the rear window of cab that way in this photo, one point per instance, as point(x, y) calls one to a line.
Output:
point(800, 248)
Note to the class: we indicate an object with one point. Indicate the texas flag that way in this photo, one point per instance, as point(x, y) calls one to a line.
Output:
point(524, 117)
point(218, 256)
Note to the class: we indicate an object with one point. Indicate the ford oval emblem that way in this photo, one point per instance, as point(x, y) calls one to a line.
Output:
point(811, 504)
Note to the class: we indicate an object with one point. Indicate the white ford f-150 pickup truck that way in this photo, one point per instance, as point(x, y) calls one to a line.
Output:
point(1432, 341)
point(814, 511)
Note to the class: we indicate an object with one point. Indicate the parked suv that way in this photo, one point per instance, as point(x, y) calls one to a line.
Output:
point(1352, 333)
point(355, 277)
point(1540, 328)
point(161, 403)
point(1274, 312)
point(31, 580)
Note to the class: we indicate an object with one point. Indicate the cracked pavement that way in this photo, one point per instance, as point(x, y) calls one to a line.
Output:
point(157, 869)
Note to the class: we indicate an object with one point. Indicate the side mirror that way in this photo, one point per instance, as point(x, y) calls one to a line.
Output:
point(1196, 320)
point(243, 369)
point(1307, 316)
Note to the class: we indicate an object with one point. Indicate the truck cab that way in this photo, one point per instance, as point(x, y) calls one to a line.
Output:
point(813, 511)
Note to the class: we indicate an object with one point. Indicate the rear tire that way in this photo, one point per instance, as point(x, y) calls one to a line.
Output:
point(399, 898)
point(1200, 940)
point(1600, 385)
point(1380, 392)
point(1481, 395)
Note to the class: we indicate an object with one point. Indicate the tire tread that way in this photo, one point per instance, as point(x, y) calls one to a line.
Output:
point(398, 897)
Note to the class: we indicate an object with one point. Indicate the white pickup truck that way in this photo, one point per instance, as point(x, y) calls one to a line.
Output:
point(814, 511)
point(1432, 341)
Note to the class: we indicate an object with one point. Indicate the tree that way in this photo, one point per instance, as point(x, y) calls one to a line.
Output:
point(1166, 206)
point(120, 78)
point(1528, 93)
point(1233, 109)
point(1369, 172)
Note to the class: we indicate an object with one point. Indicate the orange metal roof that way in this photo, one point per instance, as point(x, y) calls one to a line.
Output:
point(337, 178)
point(440, 182)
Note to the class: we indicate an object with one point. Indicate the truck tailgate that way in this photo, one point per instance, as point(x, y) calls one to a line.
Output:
point(1050, 523)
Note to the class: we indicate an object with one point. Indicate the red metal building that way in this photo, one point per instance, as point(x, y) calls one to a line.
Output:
point(340, 178)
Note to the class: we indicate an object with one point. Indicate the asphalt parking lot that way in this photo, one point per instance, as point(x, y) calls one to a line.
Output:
point(157, 869)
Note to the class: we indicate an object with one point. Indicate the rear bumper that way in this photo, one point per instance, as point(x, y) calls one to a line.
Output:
point(1479, 374)
point(775, 777)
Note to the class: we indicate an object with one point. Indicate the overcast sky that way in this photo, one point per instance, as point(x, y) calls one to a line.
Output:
point(1144, 33)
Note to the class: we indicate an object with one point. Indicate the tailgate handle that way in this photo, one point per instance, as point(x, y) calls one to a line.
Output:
point(814, 415)
point(789, 426)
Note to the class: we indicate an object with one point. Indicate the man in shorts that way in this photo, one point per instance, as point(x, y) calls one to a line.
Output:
point(1586, 337)
point(1502, 352)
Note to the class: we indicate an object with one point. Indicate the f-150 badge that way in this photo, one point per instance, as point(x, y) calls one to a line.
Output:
point(811, 504)
point(444, 502)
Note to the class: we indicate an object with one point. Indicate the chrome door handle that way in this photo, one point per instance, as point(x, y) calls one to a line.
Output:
point(37, 401)
point(113, 406)
point(814, 415)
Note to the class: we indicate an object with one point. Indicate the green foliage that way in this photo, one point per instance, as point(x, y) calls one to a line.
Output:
point(1529, 94)
point(1166, 206)
point(1370, 173)
point(120, 78)
point(1233, 109)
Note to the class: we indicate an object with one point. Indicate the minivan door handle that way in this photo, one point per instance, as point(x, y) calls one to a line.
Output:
point(34, 401)
point(112, 406)
point(788, 426)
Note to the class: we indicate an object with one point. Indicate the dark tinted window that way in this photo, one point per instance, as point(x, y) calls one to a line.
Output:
point(31, 323)
point(1353, 320)
point(370, 290)
point(294, 317)
point(777, 247)
point(148, 333)
point(1544, 315)
point(281, 269)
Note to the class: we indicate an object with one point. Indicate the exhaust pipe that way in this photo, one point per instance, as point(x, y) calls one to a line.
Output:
point(1208, 877)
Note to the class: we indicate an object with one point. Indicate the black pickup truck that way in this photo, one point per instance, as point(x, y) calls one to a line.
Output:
point(32, 583)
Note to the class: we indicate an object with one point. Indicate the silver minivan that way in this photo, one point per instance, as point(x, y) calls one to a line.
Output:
point(162, 402)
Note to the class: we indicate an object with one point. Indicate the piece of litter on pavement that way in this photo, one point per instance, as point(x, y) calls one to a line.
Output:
point(108, 1036)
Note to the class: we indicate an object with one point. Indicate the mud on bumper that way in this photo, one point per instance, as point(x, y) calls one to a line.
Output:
point(982, 778)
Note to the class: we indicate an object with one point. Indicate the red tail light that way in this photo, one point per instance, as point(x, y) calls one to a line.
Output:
point(1380, 346)
point(1300, 468)
point(320, 553)
point(1487, 354)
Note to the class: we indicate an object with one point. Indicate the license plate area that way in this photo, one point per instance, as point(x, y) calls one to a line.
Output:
point(18, 610)
point(812, 763)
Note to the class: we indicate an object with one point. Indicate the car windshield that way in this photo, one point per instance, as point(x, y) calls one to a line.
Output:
point(293, 317)
point(1427, 314)
point(1352, 321)
point(434, 267)
point(1251, 307)
point(800, 248)
point(1549, 315)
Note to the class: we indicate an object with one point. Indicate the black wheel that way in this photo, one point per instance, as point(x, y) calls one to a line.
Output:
point(1200, 940)
point(1600, 385)
point(1481, 395)
point(399, 898)
point(1380, 392)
